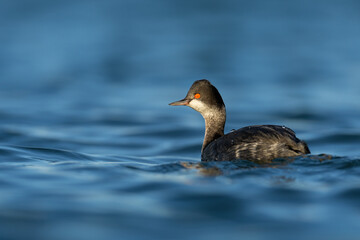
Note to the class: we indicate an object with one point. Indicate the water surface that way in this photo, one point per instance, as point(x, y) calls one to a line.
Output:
point(89, 148)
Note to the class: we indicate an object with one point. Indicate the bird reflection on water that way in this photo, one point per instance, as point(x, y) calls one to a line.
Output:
point(212, 169)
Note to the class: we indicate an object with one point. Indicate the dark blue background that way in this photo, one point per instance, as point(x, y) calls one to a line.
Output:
point(90, 148)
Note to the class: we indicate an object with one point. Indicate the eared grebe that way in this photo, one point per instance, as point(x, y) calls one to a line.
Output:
point(254, 143)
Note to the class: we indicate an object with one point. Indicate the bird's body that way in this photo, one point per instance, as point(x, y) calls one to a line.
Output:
point(254, 143)
point(260, 143)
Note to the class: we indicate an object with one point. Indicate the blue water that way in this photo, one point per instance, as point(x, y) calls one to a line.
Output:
point(90, 149)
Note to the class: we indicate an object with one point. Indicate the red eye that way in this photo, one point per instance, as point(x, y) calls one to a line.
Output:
point(197, 95)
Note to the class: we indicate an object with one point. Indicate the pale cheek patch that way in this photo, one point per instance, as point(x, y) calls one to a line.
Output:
point(198, 105)
point(208, 113)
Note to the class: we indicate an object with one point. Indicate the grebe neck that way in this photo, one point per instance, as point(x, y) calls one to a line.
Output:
point(214, 124)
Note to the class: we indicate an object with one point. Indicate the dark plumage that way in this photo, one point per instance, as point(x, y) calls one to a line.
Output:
point(253, 143)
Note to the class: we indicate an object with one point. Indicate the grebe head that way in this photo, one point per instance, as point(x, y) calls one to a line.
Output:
point(202, 97)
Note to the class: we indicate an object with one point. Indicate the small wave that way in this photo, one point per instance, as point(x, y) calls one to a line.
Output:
point(43, 154)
